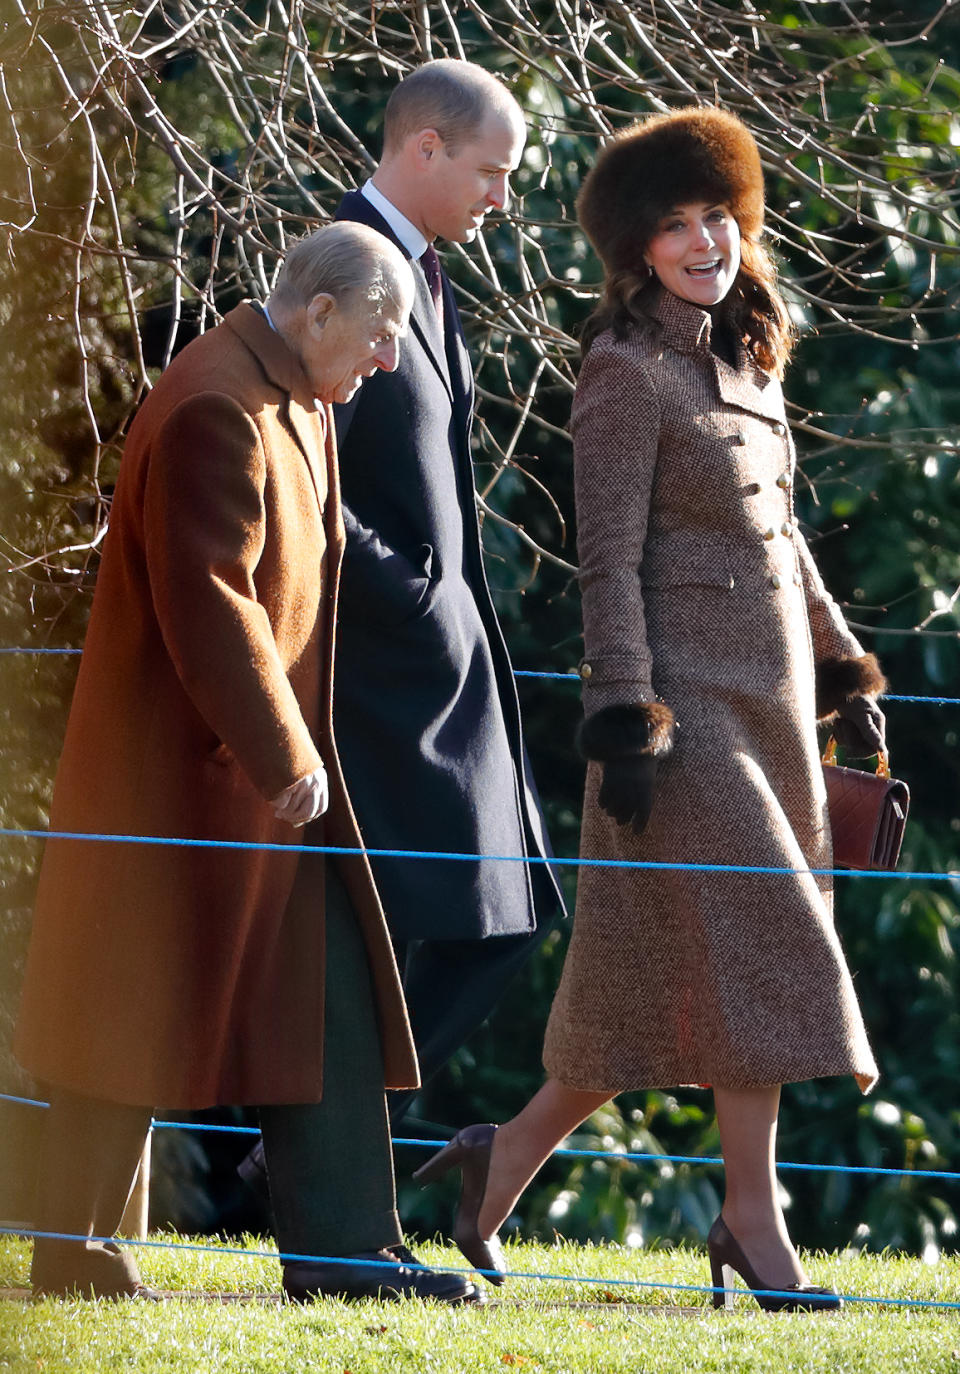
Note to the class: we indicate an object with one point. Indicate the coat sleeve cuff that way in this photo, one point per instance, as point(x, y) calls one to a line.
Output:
point(839, 680)
point(617, 732)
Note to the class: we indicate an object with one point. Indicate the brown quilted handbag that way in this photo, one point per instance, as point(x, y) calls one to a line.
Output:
point(868, 812)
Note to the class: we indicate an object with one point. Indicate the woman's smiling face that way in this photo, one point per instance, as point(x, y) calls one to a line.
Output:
point(695, 252)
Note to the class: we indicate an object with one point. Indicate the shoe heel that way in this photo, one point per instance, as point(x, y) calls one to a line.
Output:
point(439, 1164)
point(723, 1281)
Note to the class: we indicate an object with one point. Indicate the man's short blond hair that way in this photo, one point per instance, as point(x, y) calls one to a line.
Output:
point(451, 96)
point(350, 262)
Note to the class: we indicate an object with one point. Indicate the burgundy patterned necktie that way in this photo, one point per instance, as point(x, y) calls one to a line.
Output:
point(431, 270)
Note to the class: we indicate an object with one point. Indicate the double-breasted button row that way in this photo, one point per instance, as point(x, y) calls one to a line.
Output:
point(776, 581)
point(786, 529)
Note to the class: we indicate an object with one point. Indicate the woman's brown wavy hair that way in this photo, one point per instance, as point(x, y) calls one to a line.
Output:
point(753, 309)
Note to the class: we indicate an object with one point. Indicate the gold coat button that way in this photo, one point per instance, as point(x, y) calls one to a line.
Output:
point(798, 579)
point(780, 429)
point(787, 529)
point(585, 671)
point(770, 533)
point(776, 582)
point(783, 481)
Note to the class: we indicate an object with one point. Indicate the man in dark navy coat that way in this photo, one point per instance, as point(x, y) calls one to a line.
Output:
point(426, 707)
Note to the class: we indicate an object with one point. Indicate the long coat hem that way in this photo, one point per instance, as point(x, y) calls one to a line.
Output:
point(866, 1079)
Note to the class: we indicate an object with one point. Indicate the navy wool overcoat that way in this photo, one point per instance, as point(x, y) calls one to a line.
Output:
point(426, 710)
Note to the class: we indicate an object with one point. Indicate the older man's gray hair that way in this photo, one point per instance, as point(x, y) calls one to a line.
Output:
point(349, 262)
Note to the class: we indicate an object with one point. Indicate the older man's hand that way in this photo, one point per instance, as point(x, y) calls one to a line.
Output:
point(303, 801)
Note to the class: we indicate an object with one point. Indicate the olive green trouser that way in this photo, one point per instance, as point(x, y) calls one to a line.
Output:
point(329, 1164)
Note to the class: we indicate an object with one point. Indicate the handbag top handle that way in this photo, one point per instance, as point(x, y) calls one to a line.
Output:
point(830, 757)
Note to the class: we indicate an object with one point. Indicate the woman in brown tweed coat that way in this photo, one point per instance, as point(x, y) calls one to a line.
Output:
point(712, 648)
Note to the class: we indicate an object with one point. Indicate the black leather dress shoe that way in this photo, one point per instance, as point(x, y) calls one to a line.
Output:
point(380, 1277)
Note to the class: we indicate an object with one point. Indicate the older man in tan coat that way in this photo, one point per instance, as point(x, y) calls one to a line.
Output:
point(188, 975)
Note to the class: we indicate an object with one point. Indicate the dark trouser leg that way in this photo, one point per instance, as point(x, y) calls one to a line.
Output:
point(330, 1164)
point(90, 1153)
point(451, 987)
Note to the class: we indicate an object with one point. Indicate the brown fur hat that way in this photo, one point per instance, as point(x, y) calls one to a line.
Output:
point(693, 154)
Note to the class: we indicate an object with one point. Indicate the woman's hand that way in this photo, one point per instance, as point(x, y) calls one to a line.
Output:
point(860, 727)
point(628, 741)
point(627, 790)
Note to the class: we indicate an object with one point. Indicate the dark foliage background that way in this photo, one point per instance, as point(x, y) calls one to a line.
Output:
point(152, 162)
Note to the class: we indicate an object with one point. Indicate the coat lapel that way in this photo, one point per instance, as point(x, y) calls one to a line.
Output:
point(749, 388)
point(426, 326)
point(299, 411)
point(458, 358)
point(333, 511)
point(687, 329)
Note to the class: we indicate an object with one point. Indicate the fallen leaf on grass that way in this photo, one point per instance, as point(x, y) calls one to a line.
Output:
point(508, 1358)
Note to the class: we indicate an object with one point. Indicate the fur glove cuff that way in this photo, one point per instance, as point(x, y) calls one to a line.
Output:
point(839, 680)
point(618, 732)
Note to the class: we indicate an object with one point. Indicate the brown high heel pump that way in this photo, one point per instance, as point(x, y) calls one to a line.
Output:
point(469, 1150)
point(727, 1259)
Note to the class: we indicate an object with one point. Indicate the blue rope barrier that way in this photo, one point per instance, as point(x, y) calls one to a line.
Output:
point(574, 676)
point(643, 1157)
point(656, 865)
point(570, 676)
point(209, 1127)
point(23, 1101)
point(627, 1156)
point(290, 1257)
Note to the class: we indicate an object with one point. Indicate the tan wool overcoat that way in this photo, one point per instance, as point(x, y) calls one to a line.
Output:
point(698, 589)
point(185, 976)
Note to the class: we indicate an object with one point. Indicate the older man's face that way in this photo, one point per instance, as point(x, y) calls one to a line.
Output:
point(343, 344)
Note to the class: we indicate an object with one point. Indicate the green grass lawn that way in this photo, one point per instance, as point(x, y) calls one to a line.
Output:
point(528, 1325)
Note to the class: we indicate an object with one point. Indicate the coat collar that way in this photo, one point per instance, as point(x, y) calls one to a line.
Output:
point(687, 328)
point(308, 419)
point(280, 365)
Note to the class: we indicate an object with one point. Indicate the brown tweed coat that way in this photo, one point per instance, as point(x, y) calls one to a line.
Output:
point(684, 473)
point(187, 977)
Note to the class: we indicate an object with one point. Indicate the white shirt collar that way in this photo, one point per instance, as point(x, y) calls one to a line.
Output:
point(408, 234)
